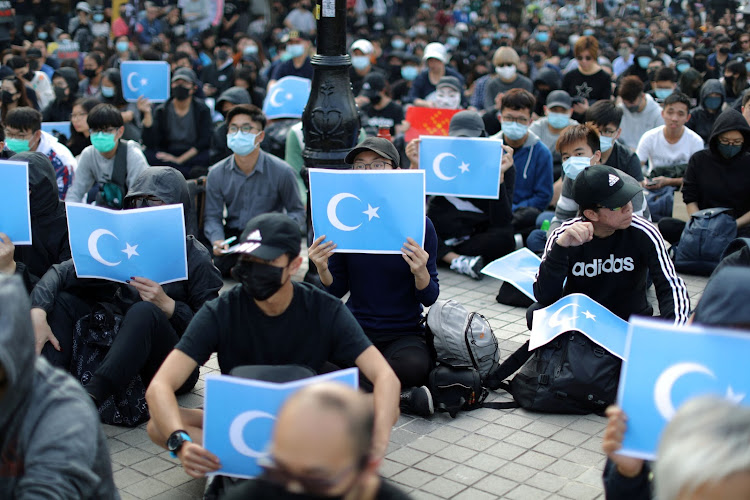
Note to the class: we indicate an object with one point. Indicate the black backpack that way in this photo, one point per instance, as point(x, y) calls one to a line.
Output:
point(705, 237)
point(112, 194)
point(94, 334)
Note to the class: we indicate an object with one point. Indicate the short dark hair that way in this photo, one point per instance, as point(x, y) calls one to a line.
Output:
point(24, 118)
point(630, 88)
point(16, 62)
point(2, 133)
point(578, 133)
point(518, 99)
point(665, 74)
point(677, 98)
point(97, 57)
point(250, 110)
point(104, 116)
point(604, 112)
point(746, 97)
point(179, 55)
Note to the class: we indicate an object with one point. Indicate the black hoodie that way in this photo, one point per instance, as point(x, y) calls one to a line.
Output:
point(49, 224)
point(204, 280)
point(713, 181)
point(701, 119)
point(59, 111)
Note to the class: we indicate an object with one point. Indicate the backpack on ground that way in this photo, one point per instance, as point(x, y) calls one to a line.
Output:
point(466, 352)
point(570, 374)
point(705, 237)
point(93, 336)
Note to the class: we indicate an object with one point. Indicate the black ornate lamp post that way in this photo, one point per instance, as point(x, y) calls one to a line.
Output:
point(330, 122)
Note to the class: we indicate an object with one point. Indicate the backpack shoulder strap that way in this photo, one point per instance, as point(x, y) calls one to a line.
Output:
point(120, 168)
point(502, 406)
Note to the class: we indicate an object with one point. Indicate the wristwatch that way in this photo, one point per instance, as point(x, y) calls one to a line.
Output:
point(176, 440)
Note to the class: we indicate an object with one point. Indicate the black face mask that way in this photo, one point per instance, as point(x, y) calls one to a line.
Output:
point(33, 65)
point(89, 73)
point(260, 281)
point(536, 58)
point(28, 76)
point(221, 55)
point(180, 93)
point(374, 100)
point(60, 94)
point(724, 50)
point(7, 97)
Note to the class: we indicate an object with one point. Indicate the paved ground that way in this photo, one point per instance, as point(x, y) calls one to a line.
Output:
point(481, 454)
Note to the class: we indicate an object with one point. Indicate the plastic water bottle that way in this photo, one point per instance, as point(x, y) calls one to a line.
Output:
point(545, 226)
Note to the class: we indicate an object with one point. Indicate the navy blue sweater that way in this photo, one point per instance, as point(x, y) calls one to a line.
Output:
point(383, 296)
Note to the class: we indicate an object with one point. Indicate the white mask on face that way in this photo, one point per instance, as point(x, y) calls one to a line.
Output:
point(447, 98)
point(506, 72)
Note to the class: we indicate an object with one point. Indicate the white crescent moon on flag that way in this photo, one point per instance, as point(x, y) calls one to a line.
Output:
point(272, 97)
point(436, 166)
point(237, 428)
point(665, 382)
point(331, 211)
point(555, 321)
point(130, 82)
point(94, 251)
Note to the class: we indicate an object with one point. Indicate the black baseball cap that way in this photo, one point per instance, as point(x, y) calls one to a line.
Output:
point(186, 74)
point(268, 236)
point(373, 84)
point(559, 98)
point(602, 185)
point(379, 145)
point(467, 124)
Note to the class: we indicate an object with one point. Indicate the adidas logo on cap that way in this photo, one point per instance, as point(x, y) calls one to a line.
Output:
point(613, 180)
point(254, 236)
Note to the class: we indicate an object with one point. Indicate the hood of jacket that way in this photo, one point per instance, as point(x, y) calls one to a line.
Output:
point(43, 195)
point(720, 303)
point(550, 77)
point(17, 356)
point(72, 78)
point(729, 120)
point(169, 185)
point(712, 86)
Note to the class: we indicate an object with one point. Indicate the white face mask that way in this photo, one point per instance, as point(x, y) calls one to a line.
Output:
point(447, 98)
point(506, 72)
point(575, 165)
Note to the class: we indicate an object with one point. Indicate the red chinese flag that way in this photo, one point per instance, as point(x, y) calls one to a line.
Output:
point(428, 121)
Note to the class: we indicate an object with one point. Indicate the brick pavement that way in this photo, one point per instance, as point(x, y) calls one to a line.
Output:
point(482, 454)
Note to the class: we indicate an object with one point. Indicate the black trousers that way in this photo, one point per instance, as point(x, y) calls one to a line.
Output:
point(409, 358)
point(490, 244)
point(145, 339)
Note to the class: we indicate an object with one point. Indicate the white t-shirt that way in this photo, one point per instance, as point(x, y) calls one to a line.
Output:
point(654, 148)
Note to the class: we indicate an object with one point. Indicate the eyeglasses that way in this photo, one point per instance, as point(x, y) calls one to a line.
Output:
point(375, 165)
point(276, 473)
point(12, 134)
point(145, 201)
point(515, 119)
point(738, 142)
point(245, 129)
point(584, 58)
point(111, 130)
point(608, 132)
point(75, 116)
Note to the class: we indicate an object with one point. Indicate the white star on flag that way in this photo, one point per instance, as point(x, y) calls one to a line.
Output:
point(144, 82)
point(289, 96)
point(463, 167)
point(589, 315)
point(130, 250)
point(371, 212)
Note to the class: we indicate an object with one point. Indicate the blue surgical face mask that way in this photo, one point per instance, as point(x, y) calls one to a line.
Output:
point(588, 32)
point(98, 18)
point(242, 143)
point(398, 43)
point(687, 53)
point(17, 145)
point(42, 35)
point(605, 143)
point(562, 50)
point(453, 41)
point(295, 49)
point(575, 165)
point(712, 103)
point(409, 72)
point(643, 61)
point(250, 50)
point(558, 120)
point(663, 93)
point(103, 142)
point(122, 46)
point(485, 42)
point(682, 67)
point(686, 39)
point(108, 91)
point(360, 62)
point(542, 36)
point(514, 131)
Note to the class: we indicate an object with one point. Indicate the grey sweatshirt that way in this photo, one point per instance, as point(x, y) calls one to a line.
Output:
point(51, 442)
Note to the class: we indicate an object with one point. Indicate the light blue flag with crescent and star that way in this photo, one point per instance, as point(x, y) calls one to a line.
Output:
point(368, 211)
point(581, 313)
point(467, 167)
point(518, 268)
point(239, 415)
point(59, 127)
point(149, 79)
point(116, 245)
point(15, 214)
point(666, 366)
point(287, 98)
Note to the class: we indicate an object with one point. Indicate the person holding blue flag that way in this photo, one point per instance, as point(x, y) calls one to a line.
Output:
point(154, 316)
point(267, 319)
point(49, 228)
point(387, 292)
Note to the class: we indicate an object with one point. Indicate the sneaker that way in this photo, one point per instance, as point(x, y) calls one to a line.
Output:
point(417, 401)
point(470, 266)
